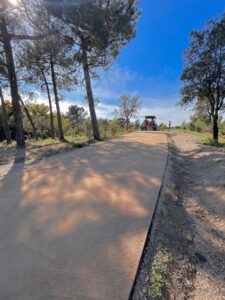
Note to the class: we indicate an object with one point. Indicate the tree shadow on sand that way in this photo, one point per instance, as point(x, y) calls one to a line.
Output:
point(76, 224)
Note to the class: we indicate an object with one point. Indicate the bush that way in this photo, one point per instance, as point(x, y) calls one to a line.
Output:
point(184, 126)
point(162, 126)
point(199, 125)
point(222, 127)
point(103, 125)
point(115, 128)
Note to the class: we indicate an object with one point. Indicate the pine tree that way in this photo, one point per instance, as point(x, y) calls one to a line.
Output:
point(99, 28)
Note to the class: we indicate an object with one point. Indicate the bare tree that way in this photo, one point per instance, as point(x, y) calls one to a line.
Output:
point(129, 106)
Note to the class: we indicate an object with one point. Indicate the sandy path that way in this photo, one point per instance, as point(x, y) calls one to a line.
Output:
point(187, 239)
point(205, 204)
point(74, 225)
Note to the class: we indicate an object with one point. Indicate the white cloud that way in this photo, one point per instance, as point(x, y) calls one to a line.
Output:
point(104, 110)
point(158, 95)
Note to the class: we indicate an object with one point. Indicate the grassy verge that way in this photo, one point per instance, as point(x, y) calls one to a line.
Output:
point(70, 142)
point(50, 141)
point(43, 148)
point(158, 274)
point(204, 137)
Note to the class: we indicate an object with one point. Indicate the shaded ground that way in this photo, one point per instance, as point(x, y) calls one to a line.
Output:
point(33, 153)
point(74, 225)
point(185, 253)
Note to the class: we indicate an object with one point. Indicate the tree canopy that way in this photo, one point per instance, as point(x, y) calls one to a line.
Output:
point(46, 43)
point(204, 70)
point(97, 29)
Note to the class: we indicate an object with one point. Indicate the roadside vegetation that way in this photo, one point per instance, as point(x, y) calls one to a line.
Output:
point(52, 47)
point(76, 124)
point(202, 128)
point(159, 271)
point(203, 77)
point(204, 137)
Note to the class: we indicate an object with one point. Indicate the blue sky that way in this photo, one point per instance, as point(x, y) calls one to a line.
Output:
point(150, 66)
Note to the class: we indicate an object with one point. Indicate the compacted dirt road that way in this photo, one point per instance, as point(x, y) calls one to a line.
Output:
point(185, 254)
point(74, 226)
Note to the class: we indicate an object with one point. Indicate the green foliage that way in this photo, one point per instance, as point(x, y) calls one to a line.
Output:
point(115, 128)
point(162, 126)
point(203, 76)
point(197, 124)
point(97, 30)
point(54, 38)
point(204, 73)
point(66, 124)
point(204, 137)
point(202, 111)
point(104, 26)
point(88, 128)
point(39, 113)
point(35, 59)
point(212, 142)
point(9, 109)
point(76, 115)
point(110, 128)
point(137, 125)
point(158, 273)
point(184, 126)
point(222, 127)
point(103, 127)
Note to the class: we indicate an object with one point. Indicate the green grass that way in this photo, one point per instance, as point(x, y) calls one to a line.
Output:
point(211, 142)
point(42, 142)
point(50, 141)
point(158, 275)
point(112, 136)
point(78, 138)
point(74, 141)
point(204, 137)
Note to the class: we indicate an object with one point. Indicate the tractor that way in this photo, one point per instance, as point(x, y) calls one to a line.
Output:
point(149, 123)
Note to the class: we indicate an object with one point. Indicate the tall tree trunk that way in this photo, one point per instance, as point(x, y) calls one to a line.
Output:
point(90, 95)
point(215, 127)
point(61, 135)
point(20, 139)
point(50, 107)
point(127, 124)
point(29, 117)
point(5, 119)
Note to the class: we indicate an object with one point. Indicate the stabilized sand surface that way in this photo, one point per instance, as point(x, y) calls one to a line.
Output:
point(74, 226)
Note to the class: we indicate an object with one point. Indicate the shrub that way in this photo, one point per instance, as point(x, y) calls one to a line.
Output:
point(162, 126)
point(184, 126)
